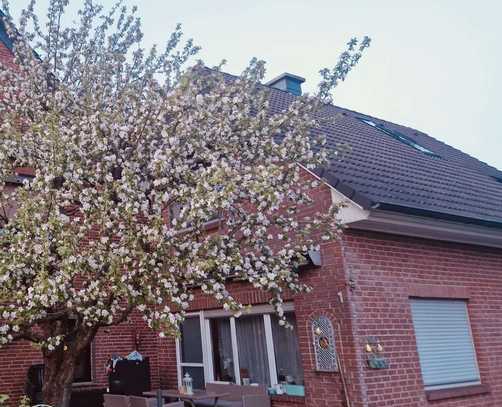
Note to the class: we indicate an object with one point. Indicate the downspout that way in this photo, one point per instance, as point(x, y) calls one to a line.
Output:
point(352, 309)
point(341, 366)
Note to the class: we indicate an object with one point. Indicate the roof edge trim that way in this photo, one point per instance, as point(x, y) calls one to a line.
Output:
point(403, 224)
point(345, 189)
point(349, 210)
point(440, 215)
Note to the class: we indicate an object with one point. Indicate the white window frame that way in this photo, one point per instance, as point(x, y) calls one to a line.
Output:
point(179, 364)
point(207, 346)
point(235, 351)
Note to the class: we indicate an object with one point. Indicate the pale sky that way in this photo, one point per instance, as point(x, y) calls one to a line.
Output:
point(435, 65)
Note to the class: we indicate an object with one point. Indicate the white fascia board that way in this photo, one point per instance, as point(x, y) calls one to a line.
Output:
point(349, 211)
point(356, 217)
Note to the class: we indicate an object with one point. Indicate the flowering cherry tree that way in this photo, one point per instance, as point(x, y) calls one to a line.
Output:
point(133, 155)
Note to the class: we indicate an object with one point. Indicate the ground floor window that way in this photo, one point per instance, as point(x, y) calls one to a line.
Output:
point(222, 352)
point(252, 347)
point(287, 356)
point(190, 352)
point(215, 346)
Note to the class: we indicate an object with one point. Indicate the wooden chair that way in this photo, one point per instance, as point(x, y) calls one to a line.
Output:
point(238, 396)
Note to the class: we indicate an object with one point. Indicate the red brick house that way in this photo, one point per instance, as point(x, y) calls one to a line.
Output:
point(406, 308)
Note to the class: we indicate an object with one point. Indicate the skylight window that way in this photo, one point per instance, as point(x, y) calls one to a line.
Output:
point(398, 136)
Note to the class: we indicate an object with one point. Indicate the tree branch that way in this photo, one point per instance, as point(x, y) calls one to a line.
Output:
point(28, 334)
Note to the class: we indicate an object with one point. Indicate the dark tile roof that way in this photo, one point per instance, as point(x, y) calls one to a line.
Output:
point(6, 44)
point(4, 36)
point(383, 171)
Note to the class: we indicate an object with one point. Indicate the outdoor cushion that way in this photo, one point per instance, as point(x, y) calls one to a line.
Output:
point(115, 400)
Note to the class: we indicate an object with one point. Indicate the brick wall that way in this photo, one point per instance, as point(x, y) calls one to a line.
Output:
point(288, 401)
point(14, 363)
point(321, 389)
point(386, 271)
point(16, 358)
point(6, 57)
point(364, 287)
point(121, 340)
point(325, 389)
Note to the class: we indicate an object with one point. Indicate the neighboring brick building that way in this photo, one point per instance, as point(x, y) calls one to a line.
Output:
point(414, 286)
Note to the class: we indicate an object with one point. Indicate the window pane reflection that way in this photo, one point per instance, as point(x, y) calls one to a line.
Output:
point(287, 352)
point(191, 341)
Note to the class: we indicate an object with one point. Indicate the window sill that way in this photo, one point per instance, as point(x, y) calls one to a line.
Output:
point(443, 394)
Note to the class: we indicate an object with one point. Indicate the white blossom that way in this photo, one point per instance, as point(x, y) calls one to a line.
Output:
point(122, 140)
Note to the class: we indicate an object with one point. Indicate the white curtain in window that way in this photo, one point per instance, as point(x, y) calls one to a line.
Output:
point(251, 342)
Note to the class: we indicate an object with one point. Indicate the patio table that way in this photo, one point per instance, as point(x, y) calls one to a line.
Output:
point(189, 398)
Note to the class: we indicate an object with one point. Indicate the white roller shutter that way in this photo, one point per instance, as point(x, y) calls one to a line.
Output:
point(444, 343)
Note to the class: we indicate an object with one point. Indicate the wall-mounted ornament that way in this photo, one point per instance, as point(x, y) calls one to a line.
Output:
point(323, 338)
point(374, 354)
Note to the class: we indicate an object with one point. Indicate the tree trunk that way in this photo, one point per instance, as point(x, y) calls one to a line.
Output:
point(59, 368)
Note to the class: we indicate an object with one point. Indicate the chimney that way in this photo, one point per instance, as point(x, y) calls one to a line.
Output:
point(288, 82)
